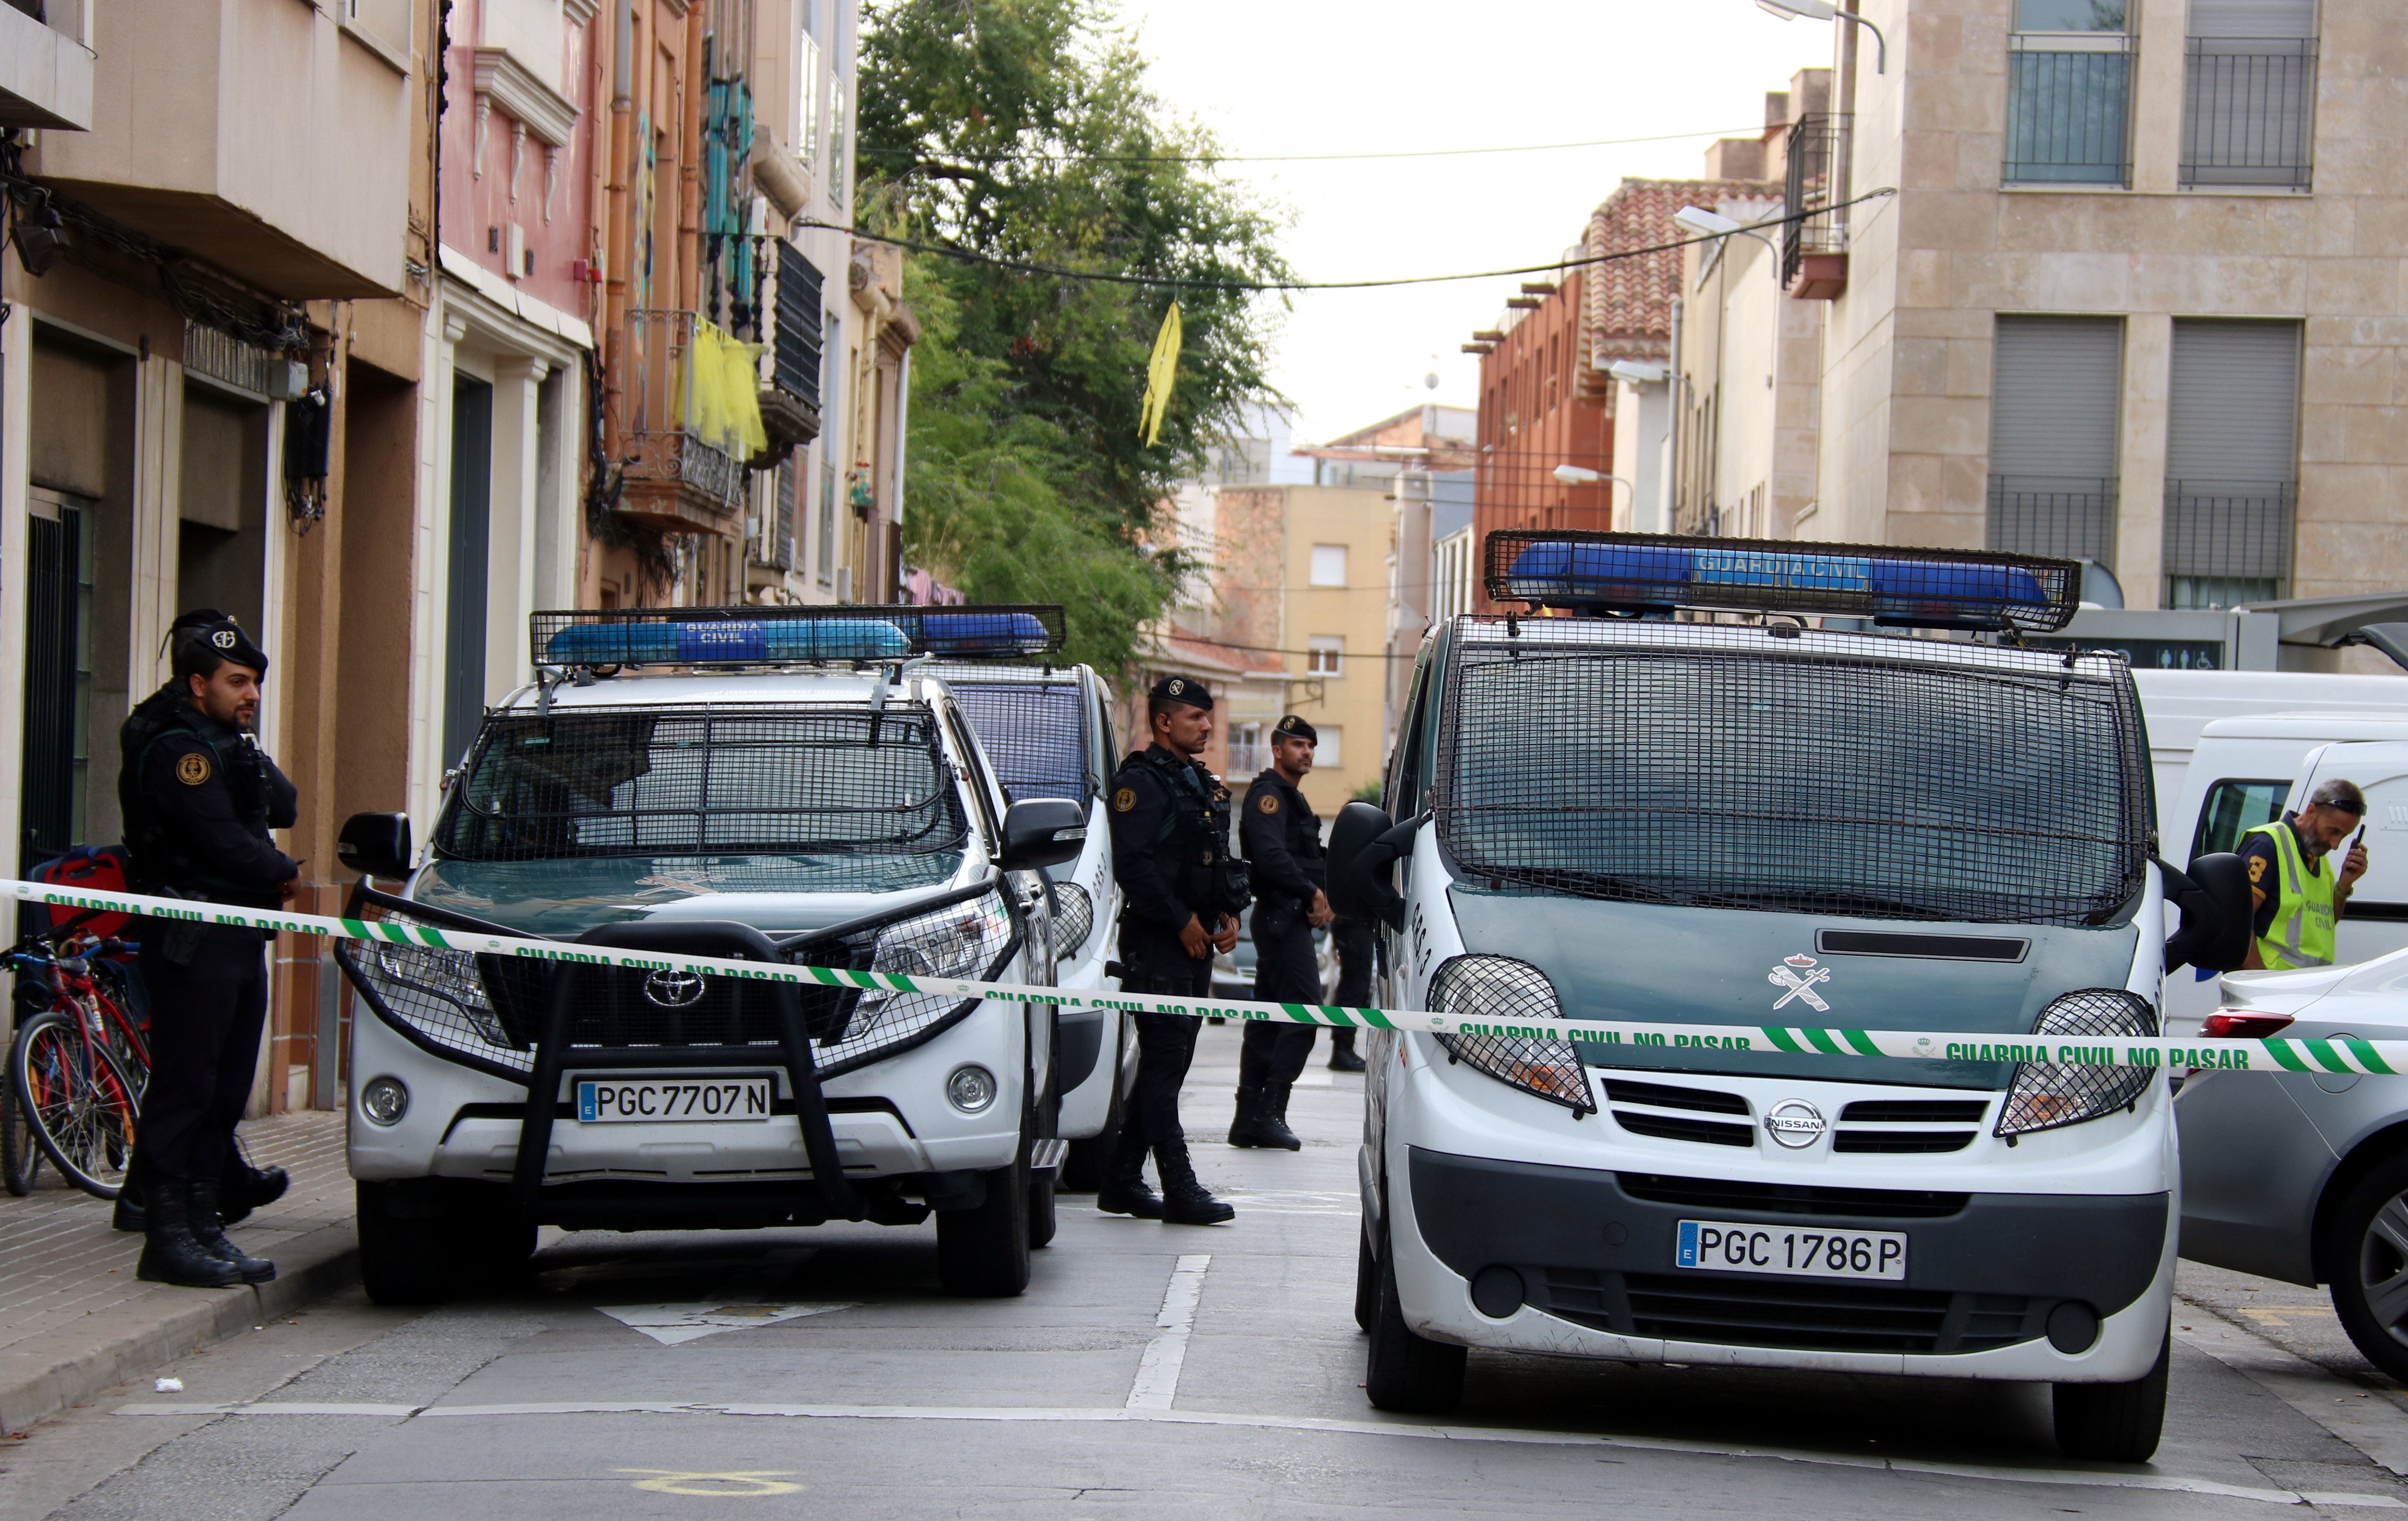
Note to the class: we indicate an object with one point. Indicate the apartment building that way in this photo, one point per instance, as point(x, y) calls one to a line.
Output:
point(2137, 298)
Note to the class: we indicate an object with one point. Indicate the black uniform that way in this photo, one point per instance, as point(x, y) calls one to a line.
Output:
point(1353, 937)
point(1283, 849)
point(198, 799)
point(1171, 855)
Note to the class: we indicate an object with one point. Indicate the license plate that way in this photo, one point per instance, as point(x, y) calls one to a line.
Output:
point(646, 1100)
point(1793, 1251)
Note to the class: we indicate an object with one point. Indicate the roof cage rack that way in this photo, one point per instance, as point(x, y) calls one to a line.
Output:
point(784, 636)
point(1639, 575)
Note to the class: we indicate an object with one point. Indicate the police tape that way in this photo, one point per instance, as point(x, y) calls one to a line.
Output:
point(2269, 1054)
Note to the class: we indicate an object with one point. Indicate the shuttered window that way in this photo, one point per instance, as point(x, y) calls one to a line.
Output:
point(2249, 92)
point(2232, 462)
point(2056, 393)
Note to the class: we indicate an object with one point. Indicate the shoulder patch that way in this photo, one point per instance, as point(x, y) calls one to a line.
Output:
point(1269, 803)
point(193, 769)
point(1124, 799)
point(2256, 867)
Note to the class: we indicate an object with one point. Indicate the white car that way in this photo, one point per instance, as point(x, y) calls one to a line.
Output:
point(777, 784)
point(1611, 816)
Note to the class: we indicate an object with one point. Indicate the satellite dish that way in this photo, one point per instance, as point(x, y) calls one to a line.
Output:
point(1430, 381)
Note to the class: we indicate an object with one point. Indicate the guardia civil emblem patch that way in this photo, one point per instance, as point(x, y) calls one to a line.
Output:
point(1124, 799)
point(1269, 803)
point(193, 769)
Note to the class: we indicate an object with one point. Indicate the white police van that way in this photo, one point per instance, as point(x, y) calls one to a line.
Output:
point(773, 784)
point(1891, 821)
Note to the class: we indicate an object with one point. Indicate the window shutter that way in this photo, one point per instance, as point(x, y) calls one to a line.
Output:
point(2056, 397)
point(2253, 17)
point(2231, 461)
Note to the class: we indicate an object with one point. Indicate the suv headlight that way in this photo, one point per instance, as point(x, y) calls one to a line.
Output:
point(960, 940)
point(1074, 916)
point(438, 993)
point(1501, 990)
point(2045, 1097)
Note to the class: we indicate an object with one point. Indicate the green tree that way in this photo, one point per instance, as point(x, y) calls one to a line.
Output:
point(1023, 130)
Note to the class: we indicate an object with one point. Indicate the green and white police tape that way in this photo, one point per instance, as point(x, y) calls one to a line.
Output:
point(2273, 1054)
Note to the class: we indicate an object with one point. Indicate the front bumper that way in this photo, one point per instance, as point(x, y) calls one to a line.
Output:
point(1589, 1255)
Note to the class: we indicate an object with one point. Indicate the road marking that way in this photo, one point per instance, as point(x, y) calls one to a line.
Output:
point(1157, 1372)
point(275, 1407)
point(673, 1323)
point(756, 1482)
point(2374, 1425)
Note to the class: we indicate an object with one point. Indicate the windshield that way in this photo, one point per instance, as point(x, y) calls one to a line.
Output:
point(2008, 792)
point(663, 782)
point(1034, 732)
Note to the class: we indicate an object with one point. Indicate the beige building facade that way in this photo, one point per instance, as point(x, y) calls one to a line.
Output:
point(2140, 294)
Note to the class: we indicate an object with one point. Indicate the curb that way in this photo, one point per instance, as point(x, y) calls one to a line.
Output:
point(51, 1372)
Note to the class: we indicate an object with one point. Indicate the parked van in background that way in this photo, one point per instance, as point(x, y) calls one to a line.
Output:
point(2178, 705)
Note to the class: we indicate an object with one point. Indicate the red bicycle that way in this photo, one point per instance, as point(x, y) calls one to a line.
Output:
point(77, 1068)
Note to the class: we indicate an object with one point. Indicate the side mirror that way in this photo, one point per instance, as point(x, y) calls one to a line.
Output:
point(376, 845)
point(2213, 896)
point(1363, 844)
point(1038, 832)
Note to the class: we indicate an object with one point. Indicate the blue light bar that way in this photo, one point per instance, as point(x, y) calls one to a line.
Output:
point(973, 634)
point(1645, 573)
point(769, 635)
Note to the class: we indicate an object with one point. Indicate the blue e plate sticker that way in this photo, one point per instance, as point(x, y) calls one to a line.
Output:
point(1685, 1254)
point(589, 1107)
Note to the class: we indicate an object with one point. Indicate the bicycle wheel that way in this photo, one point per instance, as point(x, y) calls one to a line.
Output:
point(77, 1100)
point(20, 1154)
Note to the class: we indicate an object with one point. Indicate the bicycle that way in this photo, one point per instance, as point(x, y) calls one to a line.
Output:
point(77, 1069)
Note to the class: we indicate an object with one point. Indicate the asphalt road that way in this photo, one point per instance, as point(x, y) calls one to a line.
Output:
point(1173, 1371)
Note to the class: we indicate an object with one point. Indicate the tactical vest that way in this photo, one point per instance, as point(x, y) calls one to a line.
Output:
point(2302, 934)
point(1192, 846)
point(1301, 827)
point(159, 856)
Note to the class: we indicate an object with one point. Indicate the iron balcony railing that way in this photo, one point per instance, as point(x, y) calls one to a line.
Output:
point(1815, 199)
point(2249, 112)
point(662, 413)
point(2070, 110)
point(2068, 517)
point(2227, 542)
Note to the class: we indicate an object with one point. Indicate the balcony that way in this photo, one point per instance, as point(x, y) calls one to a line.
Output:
point(2071, 518)
point(2249, 112)
point(1815, 239)
point(790, 403)
point(2226, 542)
point(45, 68)
point(2069, 109)
point(681, 435)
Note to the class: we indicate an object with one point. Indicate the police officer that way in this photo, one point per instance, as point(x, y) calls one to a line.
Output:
point(1180, 897)
point(2297, 896)
point(199, 796)
point(1283, 846)
point(1353, 939)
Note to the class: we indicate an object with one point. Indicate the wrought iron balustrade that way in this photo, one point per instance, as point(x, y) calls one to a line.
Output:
point(2249, 112)
point(671, 468)
point(2070, 110)
point(2068, 517)
point(1818, 189)
point(2227, 542)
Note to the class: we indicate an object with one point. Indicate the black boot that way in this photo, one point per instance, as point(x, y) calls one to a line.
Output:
point(210, 1231)
point(1341, 1052)
point(1185, 1201)
point(128, 1213)
point(1274, 1123)
point(169, 1253)
point(243, 1189)
point(1251, 1125)
point(1124, 1190)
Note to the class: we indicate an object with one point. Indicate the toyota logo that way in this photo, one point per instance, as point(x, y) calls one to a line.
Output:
point(674, 989)
point(1795, 1123)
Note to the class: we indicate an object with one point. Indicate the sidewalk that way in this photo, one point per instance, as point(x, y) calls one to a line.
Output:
point(73, 1317)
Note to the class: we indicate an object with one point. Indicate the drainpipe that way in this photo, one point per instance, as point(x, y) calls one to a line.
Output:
point(1680, 419)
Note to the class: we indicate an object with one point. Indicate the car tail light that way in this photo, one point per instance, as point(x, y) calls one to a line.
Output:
point(2241, 1024)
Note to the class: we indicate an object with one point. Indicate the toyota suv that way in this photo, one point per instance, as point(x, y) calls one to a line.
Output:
point(784, 785)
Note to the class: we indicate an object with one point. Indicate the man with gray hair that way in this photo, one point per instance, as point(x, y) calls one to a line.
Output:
point(2298, 901)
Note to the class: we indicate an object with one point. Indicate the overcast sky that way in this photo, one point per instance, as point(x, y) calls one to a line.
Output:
point(1324, 76)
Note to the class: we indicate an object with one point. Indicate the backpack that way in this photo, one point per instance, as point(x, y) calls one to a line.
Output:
point(98, 867)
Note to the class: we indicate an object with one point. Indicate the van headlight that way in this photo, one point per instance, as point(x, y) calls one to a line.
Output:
point(1500, 990)
point(1074, 916)
point(2045, 1097)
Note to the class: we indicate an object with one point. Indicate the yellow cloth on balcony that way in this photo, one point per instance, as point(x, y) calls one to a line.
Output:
point(725, 408)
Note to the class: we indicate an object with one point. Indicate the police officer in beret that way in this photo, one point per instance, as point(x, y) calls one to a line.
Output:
point(199, 796)
point(1181, 895)
point(1282, 840)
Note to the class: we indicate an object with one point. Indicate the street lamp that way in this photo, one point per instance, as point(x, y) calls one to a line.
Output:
point(1820, 10)
point(1573, 475)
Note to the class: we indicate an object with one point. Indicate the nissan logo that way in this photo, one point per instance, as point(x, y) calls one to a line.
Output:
point(674, 989)
point(1794, 1123)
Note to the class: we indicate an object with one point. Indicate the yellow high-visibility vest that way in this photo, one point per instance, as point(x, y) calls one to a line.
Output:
point(2302, 934)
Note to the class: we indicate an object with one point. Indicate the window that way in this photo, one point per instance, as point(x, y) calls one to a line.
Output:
point(809, 74)
point(2069, 93)
point(2232, 462)
point(1328, 565)
point(1327, 755)
point(2249, 91)
point(2056, 385)
point(1324, 655)
point(2232, 809)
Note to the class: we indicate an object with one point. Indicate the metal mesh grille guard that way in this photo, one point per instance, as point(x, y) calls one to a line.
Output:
point(2045, 1096)
point(487, 1011)
point(1656, 573)
point(592, 782)
point(1034, 732)
point(751, 635)
point(1710, 766)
